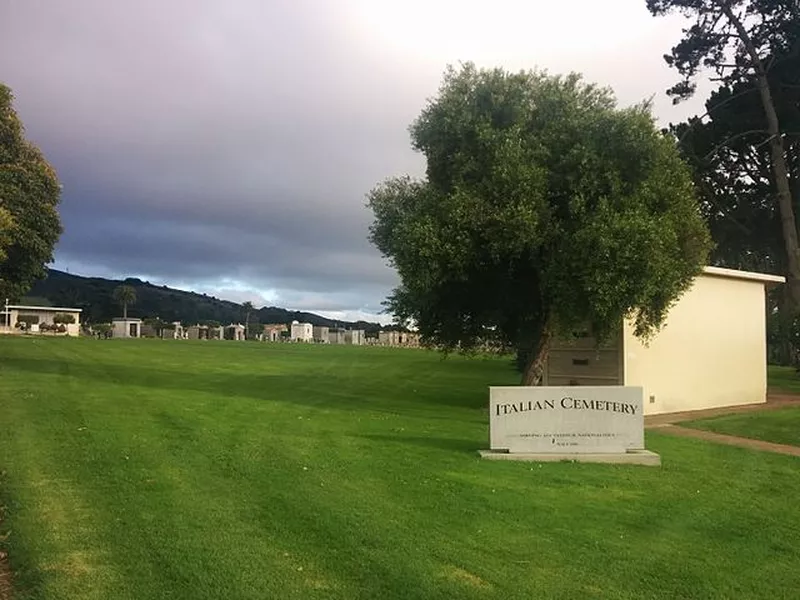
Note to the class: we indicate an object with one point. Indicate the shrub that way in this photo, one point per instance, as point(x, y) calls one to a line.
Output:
point(28, 320)
point(64, 318)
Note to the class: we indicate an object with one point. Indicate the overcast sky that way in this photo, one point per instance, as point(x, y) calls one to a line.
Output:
point(226, 146)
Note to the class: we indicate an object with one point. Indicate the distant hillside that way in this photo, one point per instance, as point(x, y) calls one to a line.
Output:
point(95, 296)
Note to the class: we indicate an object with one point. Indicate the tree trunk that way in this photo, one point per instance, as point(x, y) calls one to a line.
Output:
point(125, 310)
point(532, 375)
point(779, 168)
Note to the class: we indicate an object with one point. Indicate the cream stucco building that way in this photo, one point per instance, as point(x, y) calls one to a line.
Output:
point(711, 351)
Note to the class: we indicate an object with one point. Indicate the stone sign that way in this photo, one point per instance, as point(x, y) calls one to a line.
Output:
point(576, 419)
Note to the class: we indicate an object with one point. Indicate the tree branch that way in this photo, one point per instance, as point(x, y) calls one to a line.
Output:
point(715, 107)
point(730, 139)
point(712, 198)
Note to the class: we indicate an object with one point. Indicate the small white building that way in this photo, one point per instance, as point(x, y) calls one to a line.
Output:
point(235, 332)
point(336, 336)
point(126, 328)
point(302, 332)
point(711, 351)
point(355, 337)
point(33, 317)
point(272, 332)
point(174, 332)
point(320, 334)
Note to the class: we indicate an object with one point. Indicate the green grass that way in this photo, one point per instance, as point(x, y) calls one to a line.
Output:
point(781, 426)
point(157, 469)
point(784, 379)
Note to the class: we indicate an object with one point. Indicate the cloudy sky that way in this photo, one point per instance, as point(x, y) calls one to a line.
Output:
point(226, 146)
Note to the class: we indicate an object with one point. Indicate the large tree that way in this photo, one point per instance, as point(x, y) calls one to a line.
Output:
point(546, 208)
point(742, 41)
point(125, 295)
point(29, 196)
point(6, 232)
point(731, 163)
point(731, 160)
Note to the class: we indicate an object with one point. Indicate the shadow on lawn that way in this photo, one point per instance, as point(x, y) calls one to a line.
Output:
point(324, 389)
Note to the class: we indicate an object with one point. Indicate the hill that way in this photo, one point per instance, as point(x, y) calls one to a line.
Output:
point(95, 296)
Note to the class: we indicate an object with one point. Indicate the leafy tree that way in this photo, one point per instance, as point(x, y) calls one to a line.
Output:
point(743, 40)
point(125, 295)
point(545, 209)
point(29, 195)
point(6, 232)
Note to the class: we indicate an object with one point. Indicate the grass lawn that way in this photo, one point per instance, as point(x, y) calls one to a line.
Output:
point(784, 379)
point(205, 470)
point(781, 426)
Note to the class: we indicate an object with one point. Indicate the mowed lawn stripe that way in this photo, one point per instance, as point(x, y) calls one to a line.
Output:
point(243, 470)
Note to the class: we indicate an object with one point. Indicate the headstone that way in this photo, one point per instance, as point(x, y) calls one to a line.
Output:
point(566, 421)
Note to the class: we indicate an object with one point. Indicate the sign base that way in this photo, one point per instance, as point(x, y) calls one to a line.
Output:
point(631, 457)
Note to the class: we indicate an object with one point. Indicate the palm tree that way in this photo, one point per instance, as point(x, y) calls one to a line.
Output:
point(248, 308)
point(124, 295)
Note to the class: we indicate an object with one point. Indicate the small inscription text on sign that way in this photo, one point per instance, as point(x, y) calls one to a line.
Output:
point(566, 419)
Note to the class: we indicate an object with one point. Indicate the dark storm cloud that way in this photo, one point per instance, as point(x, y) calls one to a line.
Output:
point(210, 140)
point(228, 146)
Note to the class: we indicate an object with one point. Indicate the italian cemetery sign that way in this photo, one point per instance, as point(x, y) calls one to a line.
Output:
point(599, 424)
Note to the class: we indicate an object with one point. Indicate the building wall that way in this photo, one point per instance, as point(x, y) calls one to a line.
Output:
point(710, 353)
point(302, 332)
point(398, 338)
point(354, 336)
point(176, 332)
point(121, 328)
point(320, 334)
point(234, 332)
point(45, 314)
point(580, 361)
point(272, 333)
point(336, 336)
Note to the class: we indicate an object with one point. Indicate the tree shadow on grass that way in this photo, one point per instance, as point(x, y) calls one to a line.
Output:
point(324, 390)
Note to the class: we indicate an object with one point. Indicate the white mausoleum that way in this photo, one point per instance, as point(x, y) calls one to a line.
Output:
point(711, 351)
point(302, 332)
point(126, 328)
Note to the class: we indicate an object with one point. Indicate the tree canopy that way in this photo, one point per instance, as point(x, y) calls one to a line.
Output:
point(545, 209)
point(731, 160)
point(125, 295)
point(744, 42)
point(29, 196)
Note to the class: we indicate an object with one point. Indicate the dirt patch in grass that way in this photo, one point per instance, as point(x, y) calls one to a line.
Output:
point(463, 576)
